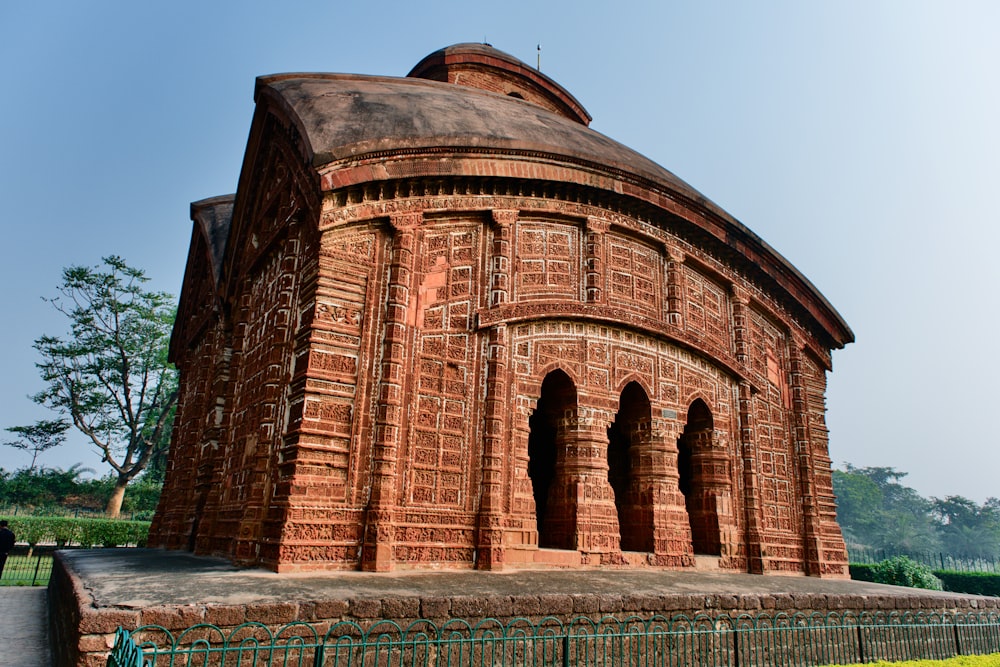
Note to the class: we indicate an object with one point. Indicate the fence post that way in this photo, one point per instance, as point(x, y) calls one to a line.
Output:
point(736, 647)
point(38, 564)
point(565, 650)
point(861, 645)
point(958, 639)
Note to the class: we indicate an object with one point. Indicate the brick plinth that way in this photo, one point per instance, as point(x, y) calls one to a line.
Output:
point(92, 593)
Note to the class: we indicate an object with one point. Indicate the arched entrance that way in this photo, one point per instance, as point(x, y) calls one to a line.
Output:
point(546, 456)
point(696, 479)
point(626, 437)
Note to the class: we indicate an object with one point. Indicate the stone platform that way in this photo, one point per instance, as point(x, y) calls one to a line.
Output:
point(92, 592)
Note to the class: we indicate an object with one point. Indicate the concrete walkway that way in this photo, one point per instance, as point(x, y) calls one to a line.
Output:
point(24, 628)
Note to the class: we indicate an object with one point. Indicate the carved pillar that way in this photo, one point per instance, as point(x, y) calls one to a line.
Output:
point(675, 287)
point(560, 507)
point(489, 544)
point(754, 516)
point(596, 253)
point(211, 467)
point(389, 421)
point(806, 467)
point(597, 529)
point(646, 474)
point(500, 258)
point(671, 527)
point(710, 501)
point(581, 512)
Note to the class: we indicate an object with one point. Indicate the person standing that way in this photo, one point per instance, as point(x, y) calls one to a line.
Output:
point(7, 540)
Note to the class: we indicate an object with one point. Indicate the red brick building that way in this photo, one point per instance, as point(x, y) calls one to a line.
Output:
point(442, 323)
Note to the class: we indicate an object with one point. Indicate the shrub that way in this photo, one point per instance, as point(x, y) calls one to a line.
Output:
point(901, 571)
point(975, 583)
point(63, 531)
point(31, 530)
point(113, 533)
point(862, 572)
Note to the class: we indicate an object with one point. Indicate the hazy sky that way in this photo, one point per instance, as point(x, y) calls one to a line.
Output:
point(859, 138)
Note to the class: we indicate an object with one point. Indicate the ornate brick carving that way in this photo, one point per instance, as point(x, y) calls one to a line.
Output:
point(434, 358)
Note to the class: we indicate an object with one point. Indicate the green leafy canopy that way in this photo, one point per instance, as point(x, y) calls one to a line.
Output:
point(110, 375)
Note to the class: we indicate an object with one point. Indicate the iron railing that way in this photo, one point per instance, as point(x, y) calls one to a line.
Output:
point(32, 570)
point(765, 640)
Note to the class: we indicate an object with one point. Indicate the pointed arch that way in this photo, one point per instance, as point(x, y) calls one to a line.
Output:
point(641, 382)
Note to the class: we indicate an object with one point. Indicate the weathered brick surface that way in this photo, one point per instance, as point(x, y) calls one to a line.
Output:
point(95, 643)
point(104, 621)
point(223, 615)
point(332, 608)
point(435, 607)
point(401, 607)
point(173, 618)
point(366, 608)
point(487, 359)
point(272, 614)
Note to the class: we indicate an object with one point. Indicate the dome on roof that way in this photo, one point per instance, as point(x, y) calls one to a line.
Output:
point(484, 67)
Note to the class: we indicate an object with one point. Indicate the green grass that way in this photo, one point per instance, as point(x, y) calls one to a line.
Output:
point(25, 571)
point(992, 660)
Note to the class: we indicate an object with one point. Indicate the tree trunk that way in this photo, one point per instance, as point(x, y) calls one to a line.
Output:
point(114, 507)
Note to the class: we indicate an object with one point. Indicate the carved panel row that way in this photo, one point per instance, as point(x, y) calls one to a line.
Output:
point(444, 431)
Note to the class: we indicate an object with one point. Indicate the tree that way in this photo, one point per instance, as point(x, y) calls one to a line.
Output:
point(859, 504)
point(111, 376)
point(878, 512)
point(38, 437)
point(969, 530)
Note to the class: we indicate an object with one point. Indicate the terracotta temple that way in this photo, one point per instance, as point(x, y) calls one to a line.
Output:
point(444, 324)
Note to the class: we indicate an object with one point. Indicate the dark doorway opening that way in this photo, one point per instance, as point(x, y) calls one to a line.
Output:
point(692, 447)
point(545, 440)
point(626, 435)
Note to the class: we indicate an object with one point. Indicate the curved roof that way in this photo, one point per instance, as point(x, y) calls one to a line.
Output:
point(214, 217)
point(348, 118)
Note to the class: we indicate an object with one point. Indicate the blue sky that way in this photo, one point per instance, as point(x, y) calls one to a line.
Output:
point(859, 138)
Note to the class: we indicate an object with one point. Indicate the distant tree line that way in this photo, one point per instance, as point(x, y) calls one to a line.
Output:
point(877, 512)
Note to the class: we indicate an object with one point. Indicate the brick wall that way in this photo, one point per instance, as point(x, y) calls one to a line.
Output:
point(358, 386)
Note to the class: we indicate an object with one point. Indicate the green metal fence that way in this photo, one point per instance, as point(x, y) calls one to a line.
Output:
point(765, 640)
point(32, 570)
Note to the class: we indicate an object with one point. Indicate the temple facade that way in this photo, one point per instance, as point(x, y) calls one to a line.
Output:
point(443, 323)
